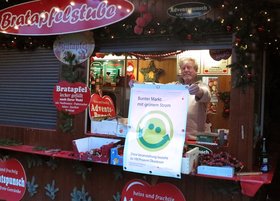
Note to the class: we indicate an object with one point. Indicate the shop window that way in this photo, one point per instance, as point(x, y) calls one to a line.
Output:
point(26, 84)
point(162, 68)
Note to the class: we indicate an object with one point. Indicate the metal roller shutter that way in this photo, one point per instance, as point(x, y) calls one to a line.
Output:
point(164, 43)
point(27, 79)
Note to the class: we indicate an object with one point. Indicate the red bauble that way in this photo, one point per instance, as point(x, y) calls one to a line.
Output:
point(148, 17)
point(143, 8)
point(229, 28)
point(100, 55)
point(261, 29)
point(189, 36)
point(138, 30)
point(237, 40)
point(226, 110)
point(140, 21)
point(249, 76)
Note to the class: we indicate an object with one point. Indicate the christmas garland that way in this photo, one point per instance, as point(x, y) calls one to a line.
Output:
point(250, 22)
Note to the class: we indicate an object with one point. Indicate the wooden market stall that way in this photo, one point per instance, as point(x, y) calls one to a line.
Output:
point(44, 139)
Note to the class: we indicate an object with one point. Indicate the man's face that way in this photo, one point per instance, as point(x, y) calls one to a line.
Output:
point(188, 72)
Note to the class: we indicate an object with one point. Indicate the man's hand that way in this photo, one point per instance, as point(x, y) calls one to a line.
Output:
point(131, 82)
point(195, 90)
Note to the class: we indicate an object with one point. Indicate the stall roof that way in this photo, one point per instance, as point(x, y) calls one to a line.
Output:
point(163, 40)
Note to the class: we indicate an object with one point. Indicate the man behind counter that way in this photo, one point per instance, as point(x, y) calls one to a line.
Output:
point(198, 100)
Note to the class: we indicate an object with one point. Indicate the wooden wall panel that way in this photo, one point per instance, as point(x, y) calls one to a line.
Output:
point(242, 125)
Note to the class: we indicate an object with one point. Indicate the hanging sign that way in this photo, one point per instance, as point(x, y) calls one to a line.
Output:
point(137, 189)
point(188, 10)
point(12, 180)
point(63, 16)
point(101, 106)
point(71, 97)
point(157, 122)
point(219, 54)
point(79, 45)
point(220, 59)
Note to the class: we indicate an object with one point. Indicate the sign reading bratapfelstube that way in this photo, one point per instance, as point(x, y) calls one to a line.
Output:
point(63, 16)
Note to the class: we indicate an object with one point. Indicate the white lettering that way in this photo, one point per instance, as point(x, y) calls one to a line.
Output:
point(68, 15)
point(72, 89)
point(12, 181)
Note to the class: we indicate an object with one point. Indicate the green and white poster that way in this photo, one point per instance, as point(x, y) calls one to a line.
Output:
point(157, 121)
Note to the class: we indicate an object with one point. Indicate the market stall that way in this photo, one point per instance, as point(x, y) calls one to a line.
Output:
point(93, 140)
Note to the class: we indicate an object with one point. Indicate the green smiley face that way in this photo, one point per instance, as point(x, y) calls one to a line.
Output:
point(154, 131)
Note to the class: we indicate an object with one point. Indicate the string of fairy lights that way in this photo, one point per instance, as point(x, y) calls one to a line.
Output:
point(236, 17)
point(253, 24)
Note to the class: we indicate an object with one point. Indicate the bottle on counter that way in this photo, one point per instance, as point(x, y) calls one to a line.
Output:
point(264, 166)
point(92, 82)
point(97, 83)
point(118, 78)
point(101, 78)
point(221, 137)
point(108, 81)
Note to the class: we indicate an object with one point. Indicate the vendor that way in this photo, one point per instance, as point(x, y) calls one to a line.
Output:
point(198, 99)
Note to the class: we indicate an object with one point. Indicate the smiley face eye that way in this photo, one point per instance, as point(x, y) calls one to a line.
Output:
point(158, 129)
point(151, 126)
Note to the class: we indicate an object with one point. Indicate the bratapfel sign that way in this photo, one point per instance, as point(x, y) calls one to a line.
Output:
point(44, 17)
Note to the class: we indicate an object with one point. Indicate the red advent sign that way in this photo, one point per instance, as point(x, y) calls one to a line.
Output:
point(139, 190)
point(71, 97)
point(12, 180)
point(101, 106)
point(63, 16)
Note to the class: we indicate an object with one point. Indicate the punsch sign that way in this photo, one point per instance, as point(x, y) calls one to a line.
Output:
point(62, 17)
point(12, 180)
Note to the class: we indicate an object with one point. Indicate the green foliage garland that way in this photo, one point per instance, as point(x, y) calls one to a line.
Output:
point(252, 23)
point(70, 73)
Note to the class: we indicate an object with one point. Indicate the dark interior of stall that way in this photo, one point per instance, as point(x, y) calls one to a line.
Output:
point(272, 120)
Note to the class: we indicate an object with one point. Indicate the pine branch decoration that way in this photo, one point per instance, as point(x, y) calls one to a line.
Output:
point(32, 187)
point(82, 170)
point(80, 195)
point(51, 190)
point(52, 163)
point(33, 161)
point(117, 196)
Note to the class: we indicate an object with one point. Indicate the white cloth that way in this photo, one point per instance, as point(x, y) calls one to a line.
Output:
point(197, 111)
